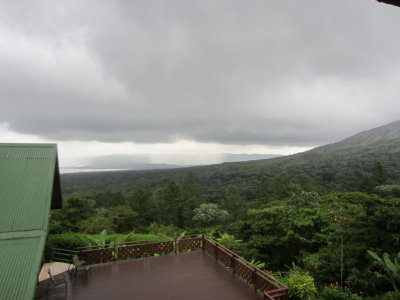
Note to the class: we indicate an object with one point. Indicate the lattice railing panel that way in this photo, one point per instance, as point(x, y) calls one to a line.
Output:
point(209, 247)
point(98, 255)
point(161, 247)
point(261, 283)
point(189, 244)
point(244, 271)
point(132, 251)
point(225, 258)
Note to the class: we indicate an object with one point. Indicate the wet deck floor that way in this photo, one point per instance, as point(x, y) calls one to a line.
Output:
point(192, 276)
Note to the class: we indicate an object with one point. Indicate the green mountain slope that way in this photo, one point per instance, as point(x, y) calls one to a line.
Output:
point(335, 167)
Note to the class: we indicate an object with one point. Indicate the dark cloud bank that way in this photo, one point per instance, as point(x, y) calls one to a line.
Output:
point(242, 72)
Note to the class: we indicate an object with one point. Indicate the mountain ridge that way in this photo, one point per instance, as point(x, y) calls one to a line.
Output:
point(337, 166)
point(386, 132)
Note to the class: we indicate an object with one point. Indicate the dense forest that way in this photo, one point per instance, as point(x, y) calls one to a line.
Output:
point(326, 222)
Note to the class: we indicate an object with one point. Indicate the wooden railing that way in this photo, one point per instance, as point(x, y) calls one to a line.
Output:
point(137, 249)
point(258, 279)
point(61, 255)
point(261, 281)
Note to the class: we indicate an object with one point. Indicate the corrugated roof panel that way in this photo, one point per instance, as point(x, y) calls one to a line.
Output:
point(26, 185)
point(20, 262)
point(27, 150)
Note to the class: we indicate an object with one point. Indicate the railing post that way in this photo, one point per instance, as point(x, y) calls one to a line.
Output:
point(216, 252)
point(202, 241)
point(233, 263)
point(254, 278)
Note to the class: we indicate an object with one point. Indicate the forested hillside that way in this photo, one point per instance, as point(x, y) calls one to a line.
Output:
point(341, 166)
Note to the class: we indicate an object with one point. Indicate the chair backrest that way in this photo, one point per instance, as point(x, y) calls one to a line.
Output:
point(75, 260)
point(51, 275)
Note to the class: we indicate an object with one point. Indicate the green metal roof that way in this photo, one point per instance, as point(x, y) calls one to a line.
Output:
point(29, 187)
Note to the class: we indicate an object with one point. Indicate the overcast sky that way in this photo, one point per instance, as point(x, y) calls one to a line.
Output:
point(169, 78)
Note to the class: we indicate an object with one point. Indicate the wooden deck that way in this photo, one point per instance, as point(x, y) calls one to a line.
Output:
point(193, 275)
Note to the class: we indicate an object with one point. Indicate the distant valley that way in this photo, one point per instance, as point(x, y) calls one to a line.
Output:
point(141, 162)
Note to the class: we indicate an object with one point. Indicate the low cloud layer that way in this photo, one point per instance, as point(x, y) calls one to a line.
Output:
point(234, 72)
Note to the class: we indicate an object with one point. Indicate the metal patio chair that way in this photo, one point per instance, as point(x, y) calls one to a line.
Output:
point(79, 265)
point(56, 280)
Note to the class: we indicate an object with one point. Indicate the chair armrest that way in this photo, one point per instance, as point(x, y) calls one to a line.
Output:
point(80, 263)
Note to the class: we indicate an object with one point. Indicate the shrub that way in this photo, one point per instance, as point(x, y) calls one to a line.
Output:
point(68, 241)
point(209, 214)
point(387, 296)
point(96, 224)
point(392, 268)
point(164, 230)
point(230, 242)
point(387, 191)
point(71, 241)
point(301, 285)
point(329, 293)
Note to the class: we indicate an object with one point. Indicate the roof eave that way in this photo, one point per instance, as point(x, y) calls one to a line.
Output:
point(56, 199)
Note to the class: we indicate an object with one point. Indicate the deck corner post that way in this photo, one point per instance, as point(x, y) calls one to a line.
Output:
point(176, 245)
point(147, 250)
point(233, 264)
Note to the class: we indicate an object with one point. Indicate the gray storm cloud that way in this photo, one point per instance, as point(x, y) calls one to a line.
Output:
point(259, 72)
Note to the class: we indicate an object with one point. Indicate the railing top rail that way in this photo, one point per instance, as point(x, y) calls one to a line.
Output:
point(112, 245)
point(188, 238)
point(277, 290)
point(266, 296)
point(141, 242)
point(64, 250)
point(276, 293)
